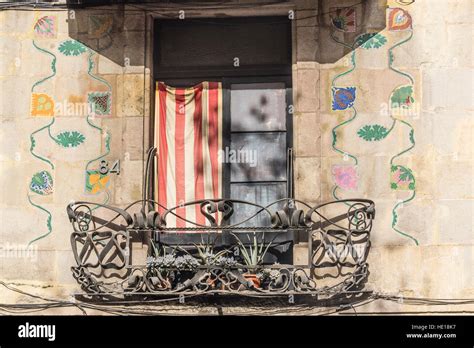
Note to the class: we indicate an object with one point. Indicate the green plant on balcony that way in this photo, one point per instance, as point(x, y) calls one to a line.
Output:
point(253, 256)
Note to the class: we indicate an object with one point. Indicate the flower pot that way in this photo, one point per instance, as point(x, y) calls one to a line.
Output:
point(211, 282)
point(253, 278)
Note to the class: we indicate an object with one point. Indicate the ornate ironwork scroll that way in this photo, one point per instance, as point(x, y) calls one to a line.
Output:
point(231, 257)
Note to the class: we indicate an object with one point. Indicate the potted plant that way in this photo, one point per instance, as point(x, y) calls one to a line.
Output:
point(253, 256)
point(208, 257)
point(164, 267)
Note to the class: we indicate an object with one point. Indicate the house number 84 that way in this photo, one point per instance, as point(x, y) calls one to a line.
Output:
point(104, 167)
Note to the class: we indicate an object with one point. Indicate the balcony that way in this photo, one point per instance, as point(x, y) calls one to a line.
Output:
point(222, 256)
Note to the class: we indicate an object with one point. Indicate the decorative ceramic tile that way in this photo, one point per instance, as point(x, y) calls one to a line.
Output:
point(42, 183)
point(402, 97)
point(399, 19)
point(370, 40)
point(96, 182)
point(42, 105)
point(100, 25)
point(46, 27)
point(401, 178)
point(100, 103)
point(345, 176)
point(344, 19)
point(343, 97)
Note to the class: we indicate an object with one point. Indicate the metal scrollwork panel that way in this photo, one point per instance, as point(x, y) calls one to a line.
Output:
point(339, 233)
point(340, 248)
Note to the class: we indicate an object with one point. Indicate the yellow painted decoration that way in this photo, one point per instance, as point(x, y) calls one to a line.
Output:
point(42, 105)
point(96, 182)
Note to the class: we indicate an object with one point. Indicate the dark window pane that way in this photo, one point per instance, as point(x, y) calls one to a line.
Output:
point(258, 107)
point(257, 156)
point(262, 194)
point(213, 42)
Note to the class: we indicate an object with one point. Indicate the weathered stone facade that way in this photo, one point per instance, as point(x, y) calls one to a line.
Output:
point(416, 164)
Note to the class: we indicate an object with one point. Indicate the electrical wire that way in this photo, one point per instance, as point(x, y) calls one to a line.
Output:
point(121, 307)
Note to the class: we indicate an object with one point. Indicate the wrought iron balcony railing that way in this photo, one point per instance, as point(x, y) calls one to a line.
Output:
point(227, 254)
point(231, 257)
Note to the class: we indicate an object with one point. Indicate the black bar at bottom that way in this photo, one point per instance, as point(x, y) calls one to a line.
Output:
point(227, 330)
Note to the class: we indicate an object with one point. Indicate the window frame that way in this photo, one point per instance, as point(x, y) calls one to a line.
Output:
point(257, 70)
point(226, 115)
point(227, 132)
point(242, 74)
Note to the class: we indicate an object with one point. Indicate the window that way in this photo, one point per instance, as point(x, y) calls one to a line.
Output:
point(252, 59)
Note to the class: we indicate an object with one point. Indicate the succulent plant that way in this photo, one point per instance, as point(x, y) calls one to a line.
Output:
point(225, 262)
point(161, 261)
point(186, 262)
point(254, 254)
point(172, 261)
point(150, 261)
point(207, 255)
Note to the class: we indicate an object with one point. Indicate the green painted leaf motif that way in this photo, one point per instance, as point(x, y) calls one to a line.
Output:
point(412, 136)
point(107, 142)
point(393, 186)
point(394, 219)
point(373, 132)
point(402, 97)
point(71, 48)
point(390, 58)
point(371, 40)
point(48, 223)
point(393, 169)
point(70, 139)
point(411, 186)
point(406, 174)
point(334, 137)
point(353, 59)
point(33, 143)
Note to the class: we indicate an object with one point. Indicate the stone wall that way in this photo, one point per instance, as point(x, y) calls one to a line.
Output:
point(386, 116)
point(405, 141)
point(56, 67)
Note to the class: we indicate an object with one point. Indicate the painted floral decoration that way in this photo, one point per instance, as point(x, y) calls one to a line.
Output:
point(95, 181)
point(100, 25)
point(42, 183)
point(370, 40)
point(42, 105)
point(344, 19)
point(100, 103)
point(343, 98)
point(374, 132)
point(71, 48)
point(402, 178)
point(45, 27)
point(402, 97)
point(345, 176)
point(399, 19)
point(70, 139)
